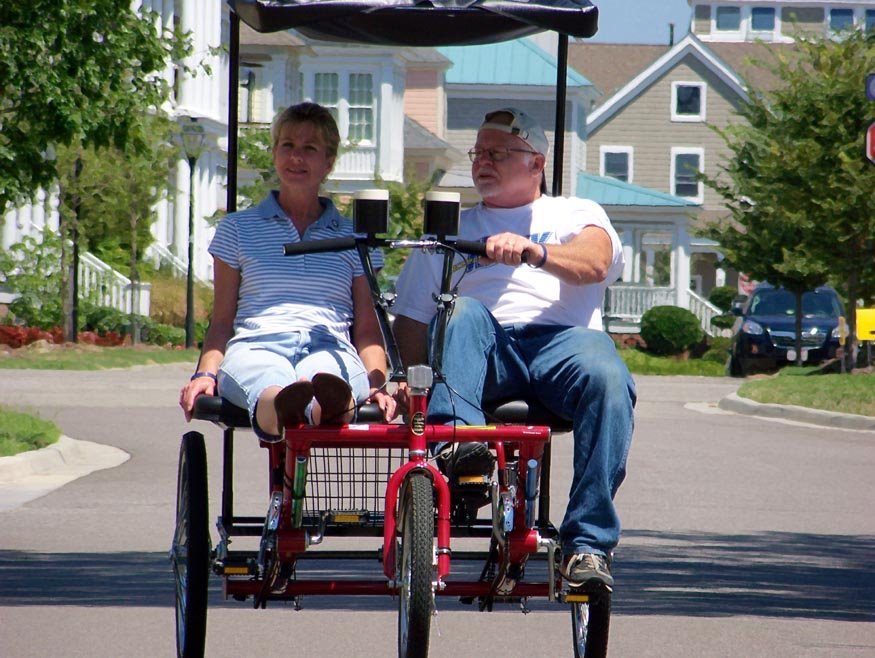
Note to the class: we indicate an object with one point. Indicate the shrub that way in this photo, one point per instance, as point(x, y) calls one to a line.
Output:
point(722, 297)
point(724, 321)
point(670, 330)
point(718, 349)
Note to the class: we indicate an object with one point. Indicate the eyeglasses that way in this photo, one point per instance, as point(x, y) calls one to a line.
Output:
point(496, 154)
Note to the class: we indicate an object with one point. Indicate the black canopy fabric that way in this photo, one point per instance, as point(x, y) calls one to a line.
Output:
point(419, 22)
point(412, 23)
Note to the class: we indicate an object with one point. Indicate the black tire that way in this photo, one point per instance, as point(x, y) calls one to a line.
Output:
point(590, 623)
point(190, 552)
point(735, 367)
point(416, 567)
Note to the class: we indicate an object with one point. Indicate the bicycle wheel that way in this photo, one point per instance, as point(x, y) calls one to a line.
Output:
point(190, 552)
point(590, 623)
point(416, 573)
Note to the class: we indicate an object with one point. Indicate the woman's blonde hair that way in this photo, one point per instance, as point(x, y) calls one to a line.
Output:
point(312, 113)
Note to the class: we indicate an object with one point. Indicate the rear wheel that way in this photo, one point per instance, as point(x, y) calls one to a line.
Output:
point(590, 623)
point(190, 552)
point(416, 568)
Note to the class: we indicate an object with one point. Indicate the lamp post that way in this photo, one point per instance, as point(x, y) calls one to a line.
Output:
point(193, 137)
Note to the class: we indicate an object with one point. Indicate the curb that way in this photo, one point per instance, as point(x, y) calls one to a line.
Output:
point(733, 402)
point(65, 455)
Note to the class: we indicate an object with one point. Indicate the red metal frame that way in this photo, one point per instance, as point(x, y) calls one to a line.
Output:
point(415, 436)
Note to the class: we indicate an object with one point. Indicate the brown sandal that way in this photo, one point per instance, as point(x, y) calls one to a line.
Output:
point(291, 404)
point(334, 397)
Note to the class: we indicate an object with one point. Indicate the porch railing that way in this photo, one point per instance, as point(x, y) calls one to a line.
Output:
point(107, 287)
point(625, 305)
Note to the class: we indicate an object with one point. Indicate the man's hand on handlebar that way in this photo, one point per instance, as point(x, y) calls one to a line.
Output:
point(511, 249)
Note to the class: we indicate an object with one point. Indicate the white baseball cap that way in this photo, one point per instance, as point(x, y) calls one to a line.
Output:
point(522, 125)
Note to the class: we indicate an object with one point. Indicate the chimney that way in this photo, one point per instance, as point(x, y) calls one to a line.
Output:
point(670, 35)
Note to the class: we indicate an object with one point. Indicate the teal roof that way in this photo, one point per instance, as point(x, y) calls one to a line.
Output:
point(612, 192)
point(518, 62)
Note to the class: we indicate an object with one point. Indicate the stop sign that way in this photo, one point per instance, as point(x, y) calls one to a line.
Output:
point(870, 142)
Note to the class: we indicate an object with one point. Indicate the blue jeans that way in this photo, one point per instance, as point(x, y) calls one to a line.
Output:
point(574, 372)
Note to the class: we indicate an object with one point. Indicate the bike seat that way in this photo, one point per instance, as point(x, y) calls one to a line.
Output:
point(218, 410)
point(527, 412)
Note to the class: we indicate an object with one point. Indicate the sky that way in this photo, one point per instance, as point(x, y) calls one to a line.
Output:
point(641, 21)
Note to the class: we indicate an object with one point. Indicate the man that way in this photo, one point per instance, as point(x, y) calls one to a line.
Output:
point(532, 330)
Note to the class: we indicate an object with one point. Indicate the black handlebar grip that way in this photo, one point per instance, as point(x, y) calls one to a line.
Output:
point(318, 246)
point(470, 247)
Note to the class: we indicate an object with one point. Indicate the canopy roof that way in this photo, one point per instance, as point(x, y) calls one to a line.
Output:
point(419, 22)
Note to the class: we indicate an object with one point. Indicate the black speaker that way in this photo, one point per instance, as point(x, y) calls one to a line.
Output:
point(441, 213)
point(370, 211)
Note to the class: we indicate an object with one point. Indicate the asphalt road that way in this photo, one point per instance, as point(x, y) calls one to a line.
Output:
point(743, 537)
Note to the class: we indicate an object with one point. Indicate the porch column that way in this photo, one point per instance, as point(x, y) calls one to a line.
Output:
point(682, 264)
point(719, 272)
point(627, 240)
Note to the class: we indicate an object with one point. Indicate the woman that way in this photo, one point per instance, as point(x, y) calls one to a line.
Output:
point(293, 339)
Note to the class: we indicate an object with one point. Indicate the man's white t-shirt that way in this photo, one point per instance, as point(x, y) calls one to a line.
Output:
point(515, 294)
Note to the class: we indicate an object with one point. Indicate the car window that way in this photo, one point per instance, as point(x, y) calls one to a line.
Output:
point(783, 302)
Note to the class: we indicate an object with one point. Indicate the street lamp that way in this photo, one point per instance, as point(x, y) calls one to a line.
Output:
point(193, 137)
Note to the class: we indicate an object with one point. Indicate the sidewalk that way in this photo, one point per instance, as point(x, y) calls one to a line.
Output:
point(30, 475)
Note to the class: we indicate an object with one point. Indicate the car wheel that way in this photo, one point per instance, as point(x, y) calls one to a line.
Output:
point(735, 367)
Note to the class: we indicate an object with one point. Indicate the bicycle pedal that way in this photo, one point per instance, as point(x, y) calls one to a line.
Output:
point(471, 480)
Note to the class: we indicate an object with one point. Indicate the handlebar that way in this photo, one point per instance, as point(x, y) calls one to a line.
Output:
point(470, 247)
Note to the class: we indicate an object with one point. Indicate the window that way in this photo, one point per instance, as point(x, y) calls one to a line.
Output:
point(350, 99)
point(361, 108)
point(686, 163)
point(616, 162)
point(326, 91)
point(762, 19)
point(841, 19)
point(870, 20)
point(728, 19)
point(688, 101)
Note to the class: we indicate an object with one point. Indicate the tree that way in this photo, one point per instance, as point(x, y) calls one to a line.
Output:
point(74, 72)
point(109, 195)
point(797, 185)
point(78, 73)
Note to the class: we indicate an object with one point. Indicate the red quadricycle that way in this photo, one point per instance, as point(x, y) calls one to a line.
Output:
point(369, 478)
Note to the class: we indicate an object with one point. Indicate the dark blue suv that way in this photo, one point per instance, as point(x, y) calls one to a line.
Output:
point(764, 335)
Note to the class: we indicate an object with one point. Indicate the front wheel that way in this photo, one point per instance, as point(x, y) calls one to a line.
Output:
point(416, 568)
point(590, 621)
point(190, 552)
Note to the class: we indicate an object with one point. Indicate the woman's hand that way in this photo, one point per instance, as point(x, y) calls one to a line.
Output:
point(385, 401)
point(190, 392)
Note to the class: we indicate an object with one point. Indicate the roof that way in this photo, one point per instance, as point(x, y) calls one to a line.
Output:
point(249, 37)
point(518, 62)
point(610, 66)
point(609, 191)
point(418, 137)
point(689, 46)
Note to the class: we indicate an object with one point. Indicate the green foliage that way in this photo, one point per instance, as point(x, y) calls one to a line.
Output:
point(723, 321)
point(116, 191)
point(722, 297)
point(670, 330)
point(718, 349)
point(256, 164)
point(75, 72)
point(797, 185)
point(20, 432)
point(32, 270)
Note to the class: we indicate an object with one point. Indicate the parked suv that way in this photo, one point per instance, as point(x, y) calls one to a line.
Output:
point(764, 335)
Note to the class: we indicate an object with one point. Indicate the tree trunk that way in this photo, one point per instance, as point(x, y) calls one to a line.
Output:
point(798, 341)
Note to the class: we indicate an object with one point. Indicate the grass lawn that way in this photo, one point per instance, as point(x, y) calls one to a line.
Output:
point(20, 432)
point(85, 357)
point(850, 394)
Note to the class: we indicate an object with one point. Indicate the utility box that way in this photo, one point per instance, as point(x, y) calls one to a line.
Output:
point(866, 324)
